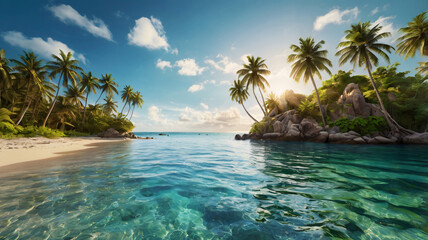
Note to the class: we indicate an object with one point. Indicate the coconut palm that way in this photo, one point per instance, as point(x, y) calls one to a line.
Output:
point(253, 75)
point(423, 68)
point(360, 46)
point(126, 96)
point(5, 70)
point(108, 85)
point(415, 37)
point(110, 105)
point(90, 84)
point(309, 59)
point(32, 70)
point(136, 100)
point(272, 102)
point(74, 95)
point(67, 68)
point(239, 94)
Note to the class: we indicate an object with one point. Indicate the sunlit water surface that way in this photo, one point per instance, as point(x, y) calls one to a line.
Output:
point(190, 186)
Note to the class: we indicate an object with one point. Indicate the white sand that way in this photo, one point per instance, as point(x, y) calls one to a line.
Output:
point(31, 149)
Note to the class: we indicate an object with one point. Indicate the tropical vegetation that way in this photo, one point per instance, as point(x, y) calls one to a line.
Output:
point(402, 97)
point(31, 104)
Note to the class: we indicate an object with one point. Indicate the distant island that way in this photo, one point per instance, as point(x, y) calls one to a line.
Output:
point(384, 107)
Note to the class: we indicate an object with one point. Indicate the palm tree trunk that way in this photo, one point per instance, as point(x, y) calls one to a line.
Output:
point(319, 102)
point(258, 102)
point(84, 109)
point(132, 114)
point(263, 99)
point(99, 96)
point(393, 127)
point(123, 108)
point(129, 105)
point(53, 102)
point(25, 100)
point(23, 113)
point(36, 105)
point(248, 113)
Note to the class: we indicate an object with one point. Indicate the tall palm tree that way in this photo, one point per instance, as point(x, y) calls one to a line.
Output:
point(360, 45)
point(89, 84)
point(415, 37)
point(308, 60)
point(5, 70)
point(45, 93)
point(272, 102)
point(107, 85)
point(32, 70)
point(110, 106)
point(67, 68)
point(136, 100)
point(239, 94)
point(423, 68)
point(127, 93)
point(253, 75)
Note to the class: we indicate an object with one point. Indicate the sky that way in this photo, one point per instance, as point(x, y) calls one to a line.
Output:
point(183, 55)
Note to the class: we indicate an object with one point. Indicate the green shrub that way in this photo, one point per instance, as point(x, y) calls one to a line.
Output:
point(363, 126)
point(73, 133)
point(7, 127)
point(262, 127)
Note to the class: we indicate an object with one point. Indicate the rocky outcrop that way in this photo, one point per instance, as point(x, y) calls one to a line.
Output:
point(418, 138)
point(113, 133)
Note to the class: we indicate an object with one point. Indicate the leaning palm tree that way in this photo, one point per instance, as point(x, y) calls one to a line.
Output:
point(415, 37)
point(308, 60)
point(127, 93)
point(239, 94)
point(136, 100)
point(110, 106)
point(360, 45)
point(67, 68)
point(89, 84)
point(32, 70)
point(253, 75)
point(108, 85)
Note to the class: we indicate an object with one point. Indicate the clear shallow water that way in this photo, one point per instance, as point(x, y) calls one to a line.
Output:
point(189, 186)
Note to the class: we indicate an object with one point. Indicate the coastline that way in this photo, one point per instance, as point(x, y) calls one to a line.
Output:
point(24, 150)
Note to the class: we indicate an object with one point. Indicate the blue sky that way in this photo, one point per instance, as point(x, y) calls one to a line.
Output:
point(183, 55)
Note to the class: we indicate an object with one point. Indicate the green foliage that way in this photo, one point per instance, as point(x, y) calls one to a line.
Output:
point(102, 122)
point(262, 127)
point(6, 127)
point(363, 126)
point(5, 115)
point(73, 133)
point(308, 109)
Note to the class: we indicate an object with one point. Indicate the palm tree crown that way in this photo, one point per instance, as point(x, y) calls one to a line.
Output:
point(253, 74)
point(239, 94)
point(415, 37)
point(108, 85)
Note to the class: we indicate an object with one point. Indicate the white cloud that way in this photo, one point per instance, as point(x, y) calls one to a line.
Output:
point(374, 11)
point(163, 64)
point(224, 64)
point(154, 113)
point(69, 15)
point(149, 33)
point(387, 26)
point(174, 51)
point(195, 88)
point(189, 67)
point(335, 16)
point(40, 46)
point(244, 57)
point(204, 106)
point(184, 118)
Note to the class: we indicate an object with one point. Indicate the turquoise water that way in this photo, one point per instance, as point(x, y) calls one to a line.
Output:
point(190, 186)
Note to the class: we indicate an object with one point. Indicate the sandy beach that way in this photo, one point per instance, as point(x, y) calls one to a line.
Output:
point(38, 148)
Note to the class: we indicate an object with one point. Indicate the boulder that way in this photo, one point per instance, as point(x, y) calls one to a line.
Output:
point(334, 129)
point(322, 137)
point(272, 135)
point(238, 137)
point(354, 133)
point(274, 112)
point(309, 128)
point(110, 133)
point(293, 133)
point(277, 127)
point(245, 136)
point(417, 138)
point(128, 135)
point(384, 140)
point(340, 138)
point(359, 140)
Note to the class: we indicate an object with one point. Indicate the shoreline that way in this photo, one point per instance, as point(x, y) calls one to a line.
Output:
point(25, 150)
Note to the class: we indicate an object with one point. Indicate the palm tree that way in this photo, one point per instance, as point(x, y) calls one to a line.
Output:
point(32, 70)
point(89, 84)
point(75, 95)
point(253, 75)
point(272, 102)
point(67, 68)
point(4, 73)
point(308, 60)
point(110, 105)
point(360, 45)
point(136, 100)
point(415, 37)
point(239, 94)
point(423, 68)
point(107, 85)
point(127, 93)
